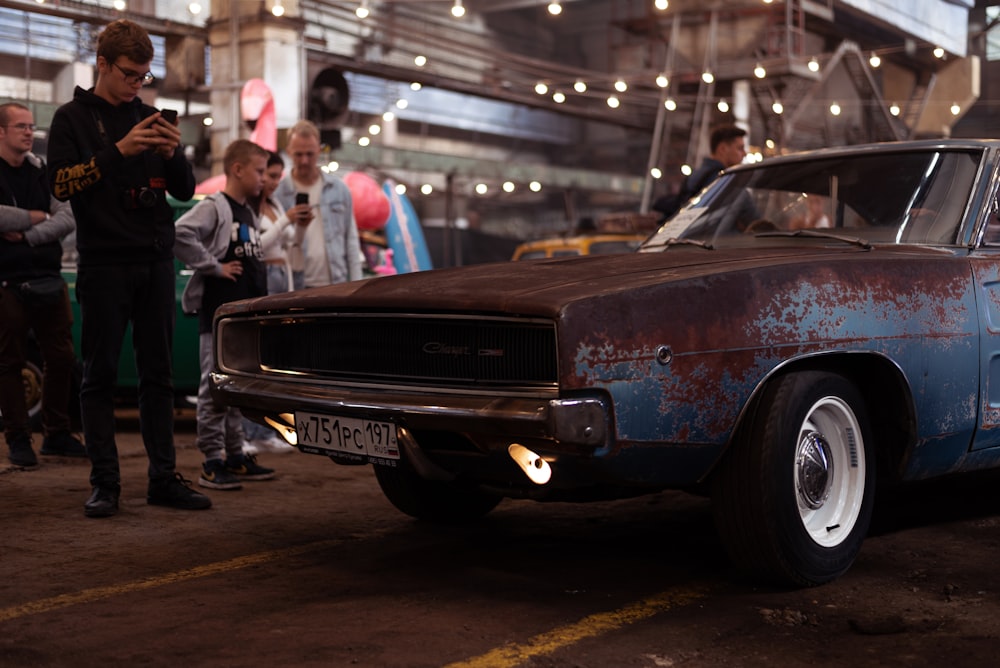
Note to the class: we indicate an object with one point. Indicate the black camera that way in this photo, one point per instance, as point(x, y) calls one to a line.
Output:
point(141, 198)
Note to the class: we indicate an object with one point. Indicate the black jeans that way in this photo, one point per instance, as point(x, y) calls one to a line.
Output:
point(110, 298)
point(52, 324)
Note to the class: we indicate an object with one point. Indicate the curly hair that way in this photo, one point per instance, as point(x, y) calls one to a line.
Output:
point(124, 38)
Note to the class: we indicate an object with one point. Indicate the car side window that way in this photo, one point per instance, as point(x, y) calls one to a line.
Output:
point(992, 234)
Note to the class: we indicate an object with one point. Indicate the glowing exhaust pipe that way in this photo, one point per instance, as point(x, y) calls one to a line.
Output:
point(536, 468)
point(285, 429)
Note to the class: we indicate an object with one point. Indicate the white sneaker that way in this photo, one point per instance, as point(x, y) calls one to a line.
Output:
point(271, 443)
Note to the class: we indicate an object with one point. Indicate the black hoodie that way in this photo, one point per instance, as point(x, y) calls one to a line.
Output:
point(116, 222)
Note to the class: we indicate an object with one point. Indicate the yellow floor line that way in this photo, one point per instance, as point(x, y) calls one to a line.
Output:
point(588, 627)
point(98, 593)
point(502, 657)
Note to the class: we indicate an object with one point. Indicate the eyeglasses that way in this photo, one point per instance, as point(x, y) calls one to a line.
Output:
point(21, 127)
point(133, 78)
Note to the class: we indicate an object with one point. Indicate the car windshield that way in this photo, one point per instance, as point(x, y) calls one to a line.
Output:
point(915, 197)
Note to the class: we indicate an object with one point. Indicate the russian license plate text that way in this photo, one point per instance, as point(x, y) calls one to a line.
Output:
point(347, 435)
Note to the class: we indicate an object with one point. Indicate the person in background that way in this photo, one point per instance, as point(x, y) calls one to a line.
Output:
point(276, 235)
point(326, 249)
point(115, 159)
point(219, 239)
point(727, 144)
point(33, 295)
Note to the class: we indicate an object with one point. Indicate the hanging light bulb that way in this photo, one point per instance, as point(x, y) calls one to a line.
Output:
point(541, 88)
point(777, 107)
point(661, 4)
point(813, 65)
point(119, 5)
point(558, 97)
point(362, 10)
point(662, 80)
point(420, 60)
point(457, 10)
point(195, 8)
point(955, 109)
point(894, 109)
point(555, 8)
point(938, 52)
point(723, 106)
point(835, 109)
point(277, 8)
point(614, 102)
point(670, 104)
point(759, 71)
point(621, 86)
point(707, 77)
point(874, 60)
point(580, 86)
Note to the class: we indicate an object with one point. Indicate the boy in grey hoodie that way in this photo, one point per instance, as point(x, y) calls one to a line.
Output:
point(219, 238)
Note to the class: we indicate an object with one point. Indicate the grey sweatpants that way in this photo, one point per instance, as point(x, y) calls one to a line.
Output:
point(220, 428)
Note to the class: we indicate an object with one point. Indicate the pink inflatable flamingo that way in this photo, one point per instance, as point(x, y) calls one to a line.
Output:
point(257, 111)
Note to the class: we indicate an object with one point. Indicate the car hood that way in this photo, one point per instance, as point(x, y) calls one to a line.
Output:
point(544, 287)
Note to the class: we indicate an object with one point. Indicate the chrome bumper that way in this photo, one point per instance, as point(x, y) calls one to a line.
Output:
point(577, 421)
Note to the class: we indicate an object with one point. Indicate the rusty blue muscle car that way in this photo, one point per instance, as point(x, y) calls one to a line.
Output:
point(804, 329)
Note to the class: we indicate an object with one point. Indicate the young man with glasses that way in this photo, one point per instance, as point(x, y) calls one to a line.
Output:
point(115, 159)
point(33, 295)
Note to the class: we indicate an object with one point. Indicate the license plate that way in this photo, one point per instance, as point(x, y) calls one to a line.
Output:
point(351, 436)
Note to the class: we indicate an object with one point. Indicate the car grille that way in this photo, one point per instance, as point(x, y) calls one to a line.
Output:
point(436, 351)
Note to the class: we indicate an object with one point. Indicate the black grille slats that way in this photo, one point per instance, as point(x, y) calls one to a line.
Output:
point(446, 352)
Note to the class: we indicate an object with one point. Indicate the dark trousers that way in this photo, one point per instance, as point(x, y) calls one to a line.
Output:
point(52, 324)
point(110, 298)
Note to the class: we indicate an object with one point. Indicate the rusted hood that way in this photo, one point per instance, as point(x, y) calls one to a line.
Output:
point(541, 288)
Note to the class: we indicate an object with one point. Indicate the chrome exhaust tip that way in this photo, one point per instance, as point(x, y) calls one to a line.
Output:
point(536, 468)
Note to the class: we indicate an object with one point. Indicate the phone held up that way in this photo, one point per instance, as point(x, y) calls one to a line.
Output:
point(301, 198)
point(169, 115)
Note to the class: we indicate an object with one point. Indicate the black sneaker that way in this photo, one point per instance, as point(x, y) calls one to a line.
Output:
point(103, 502)
point(215, 476)
point(245, 467)
point(21, 453)
point(62, 444)
point(176, 492)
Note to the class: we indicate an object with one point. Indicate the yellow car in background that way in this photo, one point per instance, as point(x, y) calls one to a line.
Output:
point(584, 244)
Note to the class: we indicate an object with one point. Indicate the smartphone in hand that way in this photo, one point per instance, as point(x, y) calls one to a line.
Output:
point(169, 115)
point(301, 198)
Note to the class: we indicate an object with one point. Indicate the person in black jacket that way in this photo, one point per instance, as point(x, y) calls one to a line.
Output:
point(115, 159)
point(33, 295)
point(728, 148)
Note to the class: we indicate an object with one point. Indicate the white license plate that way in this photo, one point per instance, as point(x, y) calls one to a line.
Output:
point(356, 437)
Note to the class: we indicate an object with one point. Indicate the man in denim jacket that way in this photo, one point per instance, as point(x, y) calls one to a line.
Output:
point(326, 249)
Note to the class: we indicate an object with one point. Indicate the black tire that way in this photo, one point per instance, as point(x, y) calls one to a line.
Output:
point(445, 502)
point(793, 498)
point(31, 375)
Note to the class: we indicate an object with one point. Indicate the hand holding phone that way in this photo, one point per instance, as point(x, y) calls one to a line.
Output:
point(303, 215)
point(169, 115)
